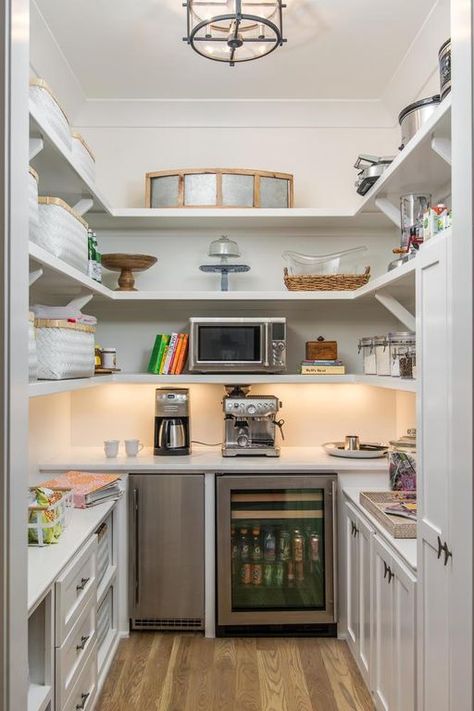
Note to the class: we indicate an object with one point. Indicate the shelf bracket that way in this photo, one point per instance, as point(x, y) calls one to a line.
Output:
point(442, 146)
point(389, 210)
point(36, 146)
point(35, 275)
point(80, 301)
point(83, 206)
point(397, 309)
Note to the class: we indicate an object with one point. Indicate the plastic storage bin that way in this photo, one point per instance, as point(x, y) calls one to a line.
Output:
point(62, 232)
point(65, 349)
point(33, 208)
point(52, 116)
point(83, 156)
point(32, 354)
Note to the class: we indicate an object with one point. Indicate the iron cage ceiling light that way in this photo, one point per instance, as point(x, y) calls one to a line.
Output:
point(234, 31)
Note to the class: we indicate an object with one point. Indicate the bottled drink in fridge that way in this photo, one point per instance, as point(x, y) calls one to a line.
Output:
point(290, 574)
point(234, 552)
point(244, 545)
point(299, 571)
point(298, 546)
point(268, 574)
point(279, 574)
point(257, 557)
point(246, 573)
point(314, 547)
point(269, 545)
point(284, 545)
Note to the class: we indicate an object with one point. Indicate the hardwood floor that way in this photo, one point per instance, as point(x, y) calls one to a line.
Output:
point(167, 672)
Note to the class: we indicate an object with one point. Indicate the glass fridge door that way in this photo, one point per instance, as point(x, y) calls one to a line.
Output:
point(280, 547)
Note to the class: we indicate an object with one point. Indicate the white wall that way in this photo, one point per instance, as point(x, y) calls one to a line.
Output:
point(49, 429)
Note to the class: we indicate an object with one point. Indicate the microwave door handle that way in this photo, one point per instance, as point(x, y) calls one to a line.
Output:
point(266, 346)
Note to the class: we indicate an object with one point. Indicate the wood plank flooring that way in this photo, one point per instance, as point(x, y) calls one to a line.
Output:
point(168, 672)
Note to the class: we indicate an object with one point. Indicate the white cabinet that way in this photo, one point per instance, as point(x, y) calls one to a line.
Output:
point(433, 480)
point(358, 536)
point(380, 613)
point(394, 631)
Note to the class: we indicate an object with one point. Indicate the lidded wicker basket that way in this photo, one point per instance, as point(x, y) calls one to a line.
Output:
point(326, 282)
point(52, 115)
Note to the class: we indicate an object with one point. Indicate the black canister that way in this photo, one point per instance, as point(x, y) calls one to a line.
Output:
point(445, 68)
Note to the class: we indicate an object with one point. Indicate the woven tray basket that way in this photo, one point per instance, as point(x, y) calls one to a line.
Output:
point(326, 282)
point(65, 349)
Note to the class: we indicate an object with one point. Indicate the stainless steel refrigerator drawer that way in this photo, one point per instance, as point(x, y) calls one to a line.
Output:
point(167, 551)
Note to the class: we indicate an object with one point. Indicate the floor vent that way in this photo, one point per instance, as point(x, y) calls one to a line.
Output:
point(177, 623)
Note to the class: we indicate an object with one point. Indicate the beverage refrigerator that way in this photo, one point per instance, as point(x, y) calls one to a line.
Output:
point(276, 554)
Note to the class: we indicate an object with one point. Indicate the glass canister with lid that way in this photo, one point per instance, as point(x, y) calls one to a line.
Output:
point(402, 354)
point(382, 355)
point(402, 462)
point(366, 347)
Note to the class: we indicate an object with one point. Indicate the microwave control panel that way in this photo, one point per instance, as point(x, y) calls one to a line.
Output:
point(279, 353)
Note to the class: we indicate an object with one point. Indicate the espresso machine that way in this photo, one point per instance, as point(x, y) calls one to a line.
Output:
point(250, 424)
point(172, 428)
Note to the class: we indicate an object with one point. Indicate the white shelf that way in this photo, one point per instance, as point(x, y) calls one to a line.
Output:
point(51, 387)
point(60, 278)
point(39, 697)
point(47, 387)
point(276, 219)
point(417, 168)
point(59, 176)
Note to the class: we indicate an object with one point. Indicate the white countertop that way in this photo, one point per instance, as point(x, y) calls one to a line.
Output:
point(210, 459)
point(45, 563)
point(405, 547)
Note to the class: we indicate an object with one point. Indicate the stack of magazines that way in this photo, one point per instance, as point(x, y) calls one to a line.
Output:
point(322, 367)
point(88, 488)
point(169, 354)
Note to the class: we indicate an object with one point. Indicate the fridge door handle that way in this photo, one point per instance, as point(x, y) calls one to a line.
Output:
point(136, 545)
point(334, 546)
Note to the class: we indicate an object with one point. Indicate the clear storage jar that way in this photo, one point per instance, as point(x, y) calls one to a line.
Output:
point(402, 348)
point(382, 355)
point(366, 347)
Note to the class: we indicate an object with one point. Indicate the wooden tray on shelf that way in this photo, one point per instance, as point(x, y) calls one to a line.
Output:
point(375, 502)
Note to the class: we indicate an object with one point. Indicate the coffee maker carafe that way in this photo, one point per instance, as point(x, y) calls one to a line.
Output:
point(172, 430)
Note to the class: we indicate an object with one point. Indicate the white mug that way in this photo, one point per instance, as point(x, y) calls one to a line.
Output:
point(111, 448)
point(132, 447)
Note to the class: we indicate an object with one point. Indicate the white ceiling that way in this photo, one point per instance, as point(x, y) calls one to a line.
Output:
point(336, 49)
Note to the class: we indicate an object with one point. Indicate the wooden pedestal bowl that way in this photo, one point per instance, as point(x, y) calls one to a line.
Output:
point(126, 264)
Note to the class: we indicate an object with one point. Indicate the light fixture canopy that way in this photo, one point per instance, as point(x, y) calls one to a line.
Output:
point(233, 31)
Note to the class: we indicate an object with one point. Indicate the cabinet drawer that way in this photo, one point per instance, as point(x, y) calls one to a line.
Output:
point(74, 589)
point(70, 657)
point(104, 548)
point(85, 690)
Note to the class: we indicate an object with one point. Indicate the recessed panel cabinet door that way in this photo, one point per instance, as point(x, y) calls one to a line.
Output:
point(364, 540)
point(404, 600)
point(383, 621)
point(433, 612)
point(352, 578)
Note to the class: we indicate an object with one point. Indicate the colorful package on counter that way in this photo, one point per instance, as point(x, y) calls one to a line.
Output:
point(46, 518)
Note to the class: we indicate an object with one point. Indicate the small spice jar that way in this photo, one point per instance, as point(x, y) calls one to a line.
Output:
point(401, 345)
point(366, 347)
point(382, 355)
point(109, 358)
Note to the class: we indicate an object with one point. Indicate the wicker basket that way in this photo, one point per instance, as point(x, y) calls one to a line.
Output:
point(83, 156)
point(52, 115)
point(326, 282)
point(62, 232)
point(65, 349)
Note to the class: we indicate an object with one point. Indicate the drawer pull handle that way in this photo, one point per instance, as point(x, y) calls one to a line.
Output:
point(447, 553)
point(82, 584)
point(385, 570)
point(84, 698)
point(83, 641)
point(390, 575)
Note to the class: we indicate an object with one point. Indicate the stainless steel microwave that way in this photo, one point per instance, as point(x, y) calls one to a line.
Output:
point(237, 345)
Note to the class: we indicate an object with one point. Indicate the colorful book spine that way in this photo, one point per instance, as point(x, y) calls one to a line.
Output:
point(177, 353)
point(169, 354)
point(183, 354)
point(157, 352)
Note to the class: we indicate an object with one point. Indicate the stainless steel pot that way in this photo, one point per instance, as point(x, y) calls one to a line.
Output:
point(172, 434)
point(444, 57)
point(412, 117)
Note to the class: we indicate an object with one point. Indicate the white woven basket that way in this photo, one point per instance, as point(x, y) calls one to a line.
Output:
point(62, 232)
point(32, 354)
point(65, 349)
point(52, 115)
point(83, 156)
point(33, 209)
